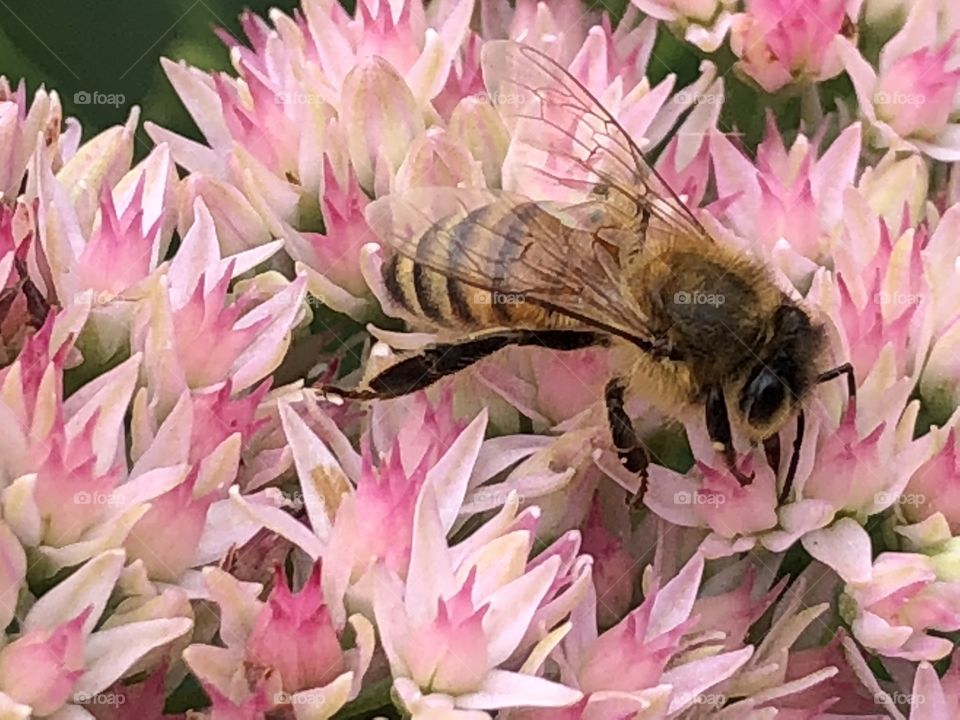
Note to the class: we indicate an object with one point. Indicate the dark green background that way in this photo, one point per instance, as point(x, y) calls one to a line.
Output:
point(114, 46)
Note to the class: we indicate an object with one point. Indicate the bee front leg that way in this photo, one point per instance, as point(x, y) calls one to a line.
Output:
point(718, 428)
point(629, 448)
point(794, 460)
point(845, 370)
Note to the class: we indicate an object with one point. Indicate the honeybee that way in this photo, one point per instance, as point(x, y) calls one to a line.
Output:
point(622, 262)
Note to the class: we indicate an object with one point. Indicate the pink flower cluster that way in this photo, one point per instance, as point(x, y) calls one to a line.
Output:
point(179, 507)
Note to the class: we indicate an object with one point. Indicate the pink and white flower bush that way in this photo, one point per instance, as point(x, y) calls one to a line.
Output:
point(184, 523)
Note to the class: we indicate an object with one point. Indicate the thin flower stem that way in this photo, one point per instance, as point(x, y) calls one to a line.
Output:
point(811, 109)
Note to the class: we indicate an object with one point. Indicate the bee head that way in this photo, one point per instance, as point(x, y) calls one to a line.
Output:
point(776, 384)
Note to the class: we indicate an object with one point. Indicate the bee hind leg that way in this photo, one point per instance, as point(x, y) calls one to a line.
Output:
point(629, 448)
point(423, 369)
point(718, 428)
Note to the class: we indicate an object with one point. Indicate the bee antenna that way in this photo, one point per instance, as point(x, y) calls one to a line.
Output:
point(845, 369)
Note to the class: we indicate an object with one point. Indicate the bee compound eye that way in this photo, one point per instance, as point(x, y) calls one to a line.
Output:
point(763, 397)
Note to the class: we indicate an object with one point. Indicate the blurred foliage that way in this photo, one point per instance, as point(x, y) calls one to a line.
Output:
point(113, 47)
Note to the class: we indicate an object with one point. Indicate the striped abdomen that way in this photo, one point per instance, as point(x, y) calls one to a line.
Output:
point(483, 245)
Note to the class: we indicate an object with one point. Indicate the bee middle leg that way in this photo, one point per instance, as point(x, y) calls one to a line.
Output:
point(423, 369)
point(629, 448)
point(718, 428)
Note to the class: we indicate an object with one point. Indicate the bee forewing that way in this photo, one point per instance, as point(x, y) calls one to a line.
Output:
point(553, 123)
point(410, 214)
point(565, 144)
point(401, 220)
point(511, 247)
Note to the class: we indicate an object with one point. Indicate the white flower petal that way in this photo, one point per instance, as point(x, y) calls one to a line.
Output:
point(365, 644)
point(919, 32)
point(188, 153)
point(845, 547)
point(392, 623)
point(10, 709)
point(543, 649)
point(108, 535)
point(502, 688)
point(929, 700)
point(219, 468)
point(92, 585)
point(674, 601)
point(945, 146)
point(450, 476)
point(497, 563)
point(322, 703)
point(266, 352)
point(322, 480)
point(110, 653)
point(512, 608)
point(694, 678)
point(68, 712)
point(332, 295)
point(430, 575)
point(228, 526)
point(109, 397)
point(281, 523)
point(199, 253)
point(21, 512)
point(505, 520)
point(875, 632)
point(861, 73)
point(199, 95)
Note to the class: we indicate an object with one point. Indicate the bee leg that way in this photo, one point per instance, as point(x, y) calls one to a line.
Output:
point(718, 428)
point(629, 448)
point(771, 449)
point(794, 459)
point(434, 362)
point(845, 369)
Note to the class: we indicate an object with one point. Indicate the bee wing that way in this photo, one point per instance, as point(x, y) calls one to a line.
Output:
point(506, 243)
point(562, 135)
